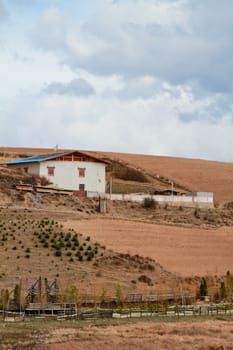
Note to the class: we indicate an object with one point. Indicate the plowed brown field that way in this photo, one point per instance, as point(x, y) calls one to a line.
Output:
point(186, 251)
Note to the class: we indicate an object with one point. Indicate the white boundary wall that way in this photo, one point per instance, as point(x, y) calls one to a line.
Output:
point(186, 201)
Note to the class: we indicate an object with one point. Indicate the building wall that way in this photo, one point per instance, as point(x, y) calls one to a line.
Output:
point(33, 168)
point(66, 175)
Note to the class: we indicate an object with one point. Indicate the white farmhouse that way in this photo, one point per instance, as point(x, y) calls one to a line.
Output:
point(72, 170)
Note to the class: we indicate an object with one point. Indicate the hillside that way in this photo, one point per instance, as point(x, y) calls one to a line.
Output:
point(145, 249)
point(193, 174)
point(41, 243)
point(187, 174)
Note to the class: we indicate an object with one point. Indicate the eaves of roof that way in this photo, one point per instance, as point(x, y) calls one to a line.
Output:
point(42, 158)
point(36, 159)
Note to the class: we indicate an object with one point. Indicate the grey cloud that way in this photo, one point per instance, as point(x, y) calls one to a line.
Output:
point(142, 87)
point(21, 57)
point(3, 11)
point(201, 52)
point(212, 110)
point(7, 7)
point(76, 87)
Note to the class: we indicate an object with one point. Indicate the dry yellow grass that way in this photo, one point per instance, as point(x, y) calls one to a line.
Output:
point(195, 174)
point(197, 335)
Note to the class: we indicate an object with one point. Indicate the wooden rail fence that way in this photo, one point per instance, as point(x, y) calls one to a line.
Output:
point(159, 311)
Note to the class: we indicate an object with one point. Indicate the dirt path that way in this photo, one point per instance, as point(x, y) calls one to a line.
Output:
point(187, 251)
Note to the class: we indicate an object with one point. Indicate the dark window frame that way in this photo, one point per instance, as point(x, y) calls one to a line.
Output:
point(51, 170)
point(81, 172)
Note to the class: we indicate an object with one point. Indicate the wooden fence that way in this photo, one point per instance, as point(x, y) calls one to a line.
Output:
point(120, 313)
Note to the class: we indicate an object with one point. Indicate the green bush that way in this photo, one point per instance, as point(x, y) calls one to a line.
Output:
point(149, 203)
point(58, 253)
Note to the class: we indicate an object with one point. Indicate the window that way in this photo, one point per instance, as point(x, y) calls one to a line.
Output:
point(25, 170)
point(51, 170)
point(81, 172)
point(81, 187)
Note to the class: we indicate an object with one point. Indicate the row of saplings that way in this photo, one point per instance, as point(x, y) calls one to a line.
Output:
point(49, 234)
point(17, 299)
point(14, 299)
point(223, 293)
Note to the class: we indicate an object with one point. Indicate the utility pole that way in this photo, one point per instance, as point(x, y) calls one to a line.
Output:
point(110, 188)
point(172, 190)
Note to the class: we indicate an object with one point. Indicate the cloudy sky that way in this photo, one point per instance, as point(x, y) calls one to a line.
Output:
point(141, 76)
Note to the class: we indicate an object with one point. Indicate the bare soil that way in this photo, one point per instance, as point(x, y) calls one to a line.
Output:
point(184, 251)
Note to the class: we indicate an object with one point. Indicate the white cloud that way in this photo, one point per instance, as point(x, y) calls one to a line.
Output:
point(146, 76)
point(143, 126)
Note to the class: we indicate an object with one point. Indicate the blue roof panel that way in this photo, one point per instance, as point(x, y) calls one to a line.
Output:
point(36, 159)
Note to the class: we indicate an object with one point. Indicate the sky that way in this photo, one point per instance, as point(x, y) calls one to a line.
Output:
point(135, 76)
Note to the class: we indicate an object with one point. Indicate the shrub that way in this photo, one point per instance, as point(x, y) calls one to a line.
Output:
point(67, 237)
point(58, 252)
point(228, 205)
point(145, 279)
point(90, 256)
point(149, 203)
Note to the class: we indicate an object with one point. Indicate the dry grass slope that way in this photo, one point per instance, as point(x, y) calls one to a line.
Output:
point(193, 174)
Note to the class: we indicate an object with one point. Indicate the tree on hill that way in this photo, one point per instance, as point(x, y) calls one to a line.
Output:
point(203, 291)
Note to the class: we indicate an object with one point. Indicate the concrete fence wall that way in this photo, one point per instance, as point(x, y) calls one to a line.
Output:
point(186, 201)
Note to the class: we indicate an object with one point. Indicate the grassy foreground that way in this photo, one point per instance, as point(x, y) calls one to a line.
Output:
point(36, 331)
